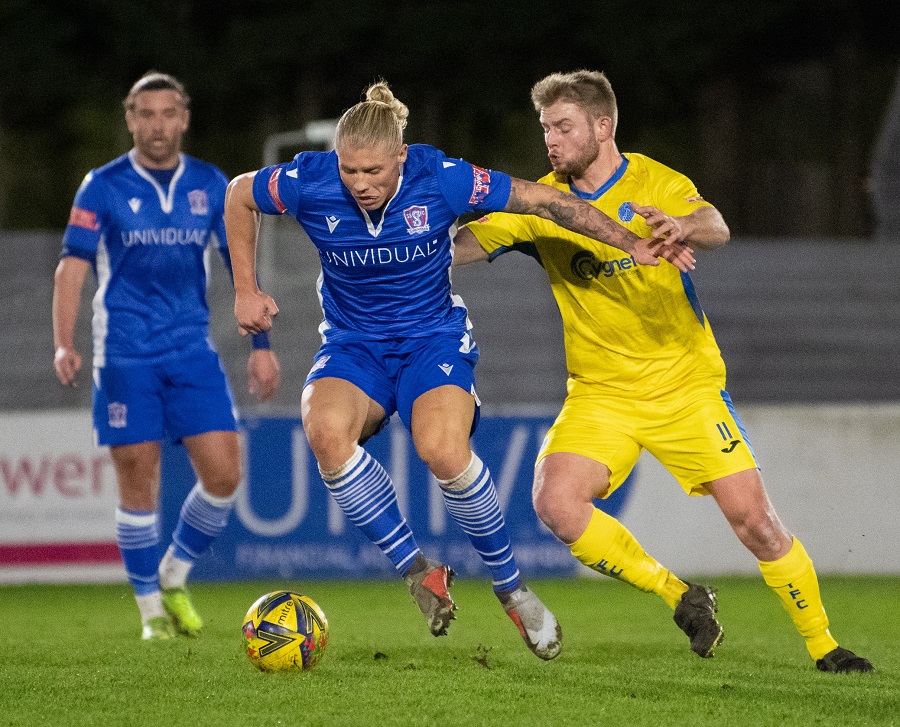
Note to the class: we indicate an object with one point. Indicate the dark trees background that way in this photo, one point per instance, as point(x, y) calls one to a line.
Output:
point(771, 107)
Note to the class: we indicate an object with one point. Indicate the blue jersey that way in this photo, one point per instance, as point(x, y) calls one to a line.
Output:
point(385, 274)
point(147, 244)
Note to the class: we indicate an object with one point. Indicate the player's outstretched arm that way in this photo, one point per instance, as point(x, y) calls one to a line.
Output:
point(567, 210)
point(466, 248)
point(577, 215)
point(253, 309)
point(704, 228)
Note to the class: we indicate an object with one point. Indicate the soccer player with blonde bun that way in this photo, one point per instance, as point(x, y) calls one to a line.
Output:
point(644, 371)
point(394, 336)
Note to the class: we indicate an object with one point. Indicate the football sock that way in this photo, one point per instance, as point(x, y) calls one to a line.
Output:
point(173, 571)
point(366, 495)
point(607, 547)
point(137, 533)
point(203, 518)
point(150, 606)
point(471, 500)
point(793, 578)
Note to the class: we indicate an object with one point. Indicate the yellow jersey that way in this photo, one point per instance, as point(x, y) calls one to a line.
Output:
point(629, 328)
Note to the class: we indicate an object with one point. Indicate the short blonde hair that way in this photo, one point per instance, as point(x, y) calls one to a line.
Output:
point(591, 91)
point(156, 81)
point(377, 121)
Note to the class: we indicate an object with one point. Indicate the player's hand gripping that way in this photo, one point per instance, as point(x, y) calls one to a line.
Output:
point(679, 254)
point(668, 239)
point(254, 312)
point(648, 251)
point(663, 226)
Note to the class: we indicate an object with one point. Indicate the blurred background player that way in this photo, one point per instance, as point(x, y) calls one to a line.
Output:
point(143, 222)
point(644, 371)
point(395, 338)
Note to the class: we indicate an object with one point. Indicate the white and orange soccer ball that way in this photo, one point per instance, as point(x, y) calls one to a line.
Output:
point(285, 631)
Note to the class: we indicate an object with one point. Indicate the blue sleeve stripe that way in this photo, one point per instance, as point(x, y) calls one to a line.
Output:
point(526, 248)
point(691, 294)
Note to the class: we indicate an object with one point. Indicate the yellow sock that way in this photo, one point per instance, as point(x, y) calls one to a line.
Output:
point(794, 580)
point(608, 547)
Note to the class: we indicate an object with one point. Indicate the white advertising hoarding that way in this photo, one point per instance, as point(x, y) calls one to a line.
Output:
point(57, 499)
point(830, 471)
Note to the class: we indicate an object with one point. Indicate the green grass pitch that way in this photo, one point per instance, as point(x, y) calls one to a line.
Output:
point(73, 657)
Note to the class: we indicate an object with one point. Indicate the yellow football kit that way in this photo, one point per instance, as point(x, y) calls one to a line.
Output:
point(644, 368)
point(645, 373)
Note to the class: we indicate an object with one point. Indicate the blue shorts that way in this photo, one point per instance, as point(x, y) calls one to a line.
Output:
point(397, 372)
point(176, 397)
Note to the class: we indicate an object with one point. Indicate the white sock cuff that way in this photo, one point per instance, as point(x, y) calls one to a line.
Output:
point(135, 518)
point(464, 478)
point(150, 606)
point(333, 475)
point(212, 499)
point(173, 571)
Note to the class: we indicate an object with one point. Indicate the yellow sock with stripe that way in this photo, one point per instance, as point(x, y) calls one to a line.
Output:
point(607, 547)
point(794, 580)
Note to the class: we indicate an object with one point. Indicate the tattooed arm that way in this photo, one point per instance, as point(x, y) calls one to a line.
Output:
point(577, 215)
point(567, 210)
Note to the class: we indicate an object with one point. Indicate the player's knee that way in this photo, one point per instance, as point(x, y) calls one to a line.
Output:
point(445, 462)
point(549, 504)
point(761, 532)
point(753, 522)
point(554, 493)
point(446, 452)
point(128, 465)
point(542, 507)
point(223, 482)
point(330, 440)
point(136, 469)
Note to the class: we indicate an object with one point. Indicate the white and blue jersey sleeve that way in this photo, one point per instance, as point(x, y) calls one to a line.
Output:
point(385, 274)
point(147, 243)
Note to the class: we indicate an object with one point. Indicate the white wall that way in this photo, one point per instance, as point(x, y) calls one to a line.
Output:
point(832, 473)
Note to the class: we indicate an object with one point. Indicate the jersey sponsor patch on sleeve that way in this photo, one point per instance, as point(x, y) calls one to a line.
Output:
point(481, 185)
point(83, 218)
point(273, 191)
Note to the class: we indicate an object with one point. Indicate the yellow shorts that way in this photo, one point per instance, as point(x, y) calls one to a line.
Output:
point(696, 433)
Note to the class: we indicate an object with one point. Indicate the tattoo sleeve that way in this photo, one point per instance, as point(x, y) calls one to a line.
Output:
point(567, 210)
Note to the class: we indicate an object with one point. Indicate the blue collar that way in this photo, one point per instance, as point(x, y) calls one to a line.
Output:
point(617, 175)
point(163, 176)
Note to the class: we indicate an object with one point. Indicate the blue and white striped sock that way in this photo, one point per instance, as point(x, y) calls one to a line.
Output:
point(366, 495)
point(471, 500)
point(137, 533)
point(203, 518)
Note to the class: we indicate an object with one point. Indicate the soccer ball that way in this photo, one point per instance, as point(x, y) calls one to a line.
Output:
point(285, 631)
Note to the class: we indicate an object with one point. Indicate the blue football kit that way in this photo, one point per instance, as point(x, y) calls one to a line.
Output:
point(146, 234)
point(391, 323)
point(393, 327)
